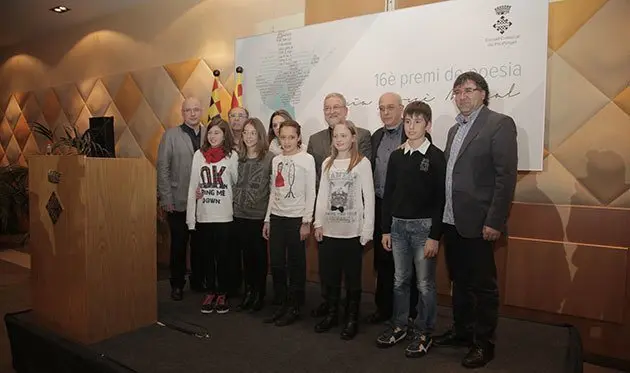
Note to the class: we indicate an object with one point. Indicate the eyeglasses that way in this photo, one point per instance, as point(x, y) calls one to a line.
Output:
point(239, 116)
point(388, 108)
point(466, 91)
point(195, 110)
point(332, 108)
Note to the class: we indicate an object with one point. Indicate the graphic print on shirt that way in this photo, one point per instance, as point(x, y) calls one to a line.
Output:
point(279, 178)
point(285, 180)
point(212, 184)
point(341, 190)
point(253, 174)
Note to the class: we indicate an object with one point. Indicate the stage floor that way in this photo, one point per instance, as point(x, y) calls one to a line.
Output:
point(241, 342)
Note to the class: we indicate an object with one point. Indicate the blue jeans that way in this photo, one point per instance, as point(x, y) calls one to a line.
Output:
point(408, 239)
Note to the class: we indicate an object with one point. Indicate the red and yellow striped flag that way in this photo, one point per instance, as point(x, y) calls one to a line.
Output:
point(214, 109)
point(237, 95)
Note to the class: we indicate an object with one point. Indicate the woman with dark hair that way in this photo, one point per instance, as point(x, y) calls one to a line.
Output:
point(277, 118)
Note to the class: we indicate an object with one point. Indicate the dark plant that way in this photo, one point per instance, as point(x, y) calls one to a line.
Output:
point(13, 197)
point(72, 142)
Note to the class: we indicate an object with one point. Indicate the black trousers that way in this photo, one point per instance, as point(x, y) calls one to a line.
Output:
point(288, 257)
point(179, 242)
point(215, 239)
point(341, 258)
point(472, 270)
point(254, 248)
point(384, 267)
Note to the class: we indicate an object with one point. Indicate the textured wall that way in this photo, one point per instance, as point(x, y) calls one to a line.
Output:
point(143, 103)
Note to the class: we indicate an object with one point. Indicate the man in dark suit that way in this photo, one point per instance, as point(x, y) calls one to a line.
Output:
point(482, 158)
point(175, 154)
point(319, 146)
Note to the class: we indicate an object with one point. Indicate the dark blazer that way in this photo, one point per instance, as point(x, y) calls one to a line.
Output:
point(377, 136)
point(319, 146)
point(174, 163)
point(484, 175)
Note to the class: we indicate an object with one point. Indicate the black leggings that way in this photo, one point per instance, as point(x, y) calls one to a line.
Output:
point(214, 247)
point(288, 256)
point(248, 232)
point(341, 257)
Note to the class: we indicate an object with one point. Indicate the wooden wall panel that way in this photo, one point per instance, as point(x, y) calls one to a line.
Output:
point(409, 3)
point(319, 11)
point(581, 224)
point(579, 280)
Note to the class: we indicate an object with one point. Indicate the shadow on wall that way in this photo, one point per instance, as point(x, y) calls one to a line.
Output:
point(593, 275)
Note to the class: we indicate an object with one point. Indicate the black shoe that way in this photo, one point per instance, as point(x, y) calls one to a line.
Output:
point(258, 303)
point(292, 314)
point(321, 310)
point(390, 337)
point(478, 356)
point(280, 311)
point(330, 321)
point(377, 318)
point(451, 339)
point(247, 301)
point(177, 294)
point(419, 346)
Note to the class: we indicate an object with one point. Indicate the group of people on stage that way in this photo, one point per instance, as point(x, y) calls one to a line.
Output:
point(233, 187)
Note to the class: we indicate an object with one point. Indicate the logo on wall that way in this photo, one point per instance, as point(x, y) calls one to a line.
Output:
point(503, 23)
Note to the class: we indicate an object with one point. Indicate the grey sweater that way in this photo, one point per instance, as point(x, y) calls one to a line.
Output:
point(251, 192)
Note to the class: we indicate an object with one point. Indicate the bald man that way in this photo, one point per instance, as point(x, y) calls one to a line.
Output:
point(174, 162)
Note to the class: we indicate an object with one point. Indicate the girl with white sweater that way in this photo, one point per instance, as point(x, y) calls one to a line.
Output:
point(214, 172)
point(344, 223)
point(288, 221)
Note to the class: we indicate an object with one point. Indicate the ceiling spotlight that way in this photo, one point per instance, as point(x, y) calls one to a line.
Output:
point(60, 9)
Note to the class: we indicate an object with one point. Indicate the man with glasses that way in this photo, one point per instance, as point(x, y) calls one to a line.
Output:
point(175, 153)
point(482, 159)
point(319, 146)
point(236, 119)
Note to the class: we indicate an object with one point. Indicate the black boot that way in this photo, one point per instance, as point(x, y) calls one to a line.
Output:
point(332, 315)
point(258, 303)
point(321, 310)
point(292, 313)
point(352, 324)
point(247, 301)
point(279, 313)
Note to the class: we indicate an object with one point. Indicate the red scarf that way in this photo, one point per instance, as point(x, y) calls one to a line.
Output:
point(213, 155)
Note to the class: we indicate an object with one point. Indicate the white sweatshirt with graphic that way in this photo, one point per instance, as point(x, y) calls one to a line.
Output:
point(345, 201)
point(292, 187)
point(215, 181)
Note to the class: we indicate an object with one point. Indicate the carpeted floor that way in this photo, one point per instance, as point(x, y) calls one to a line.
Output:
point(241, 342)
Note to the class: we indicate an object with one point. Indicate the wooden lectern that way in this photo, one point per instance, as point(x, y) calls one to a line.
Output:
point(93, 245)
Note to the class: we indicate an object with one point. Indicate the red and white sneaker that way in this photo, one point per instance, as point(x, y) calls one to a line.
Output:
point(208, 304)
